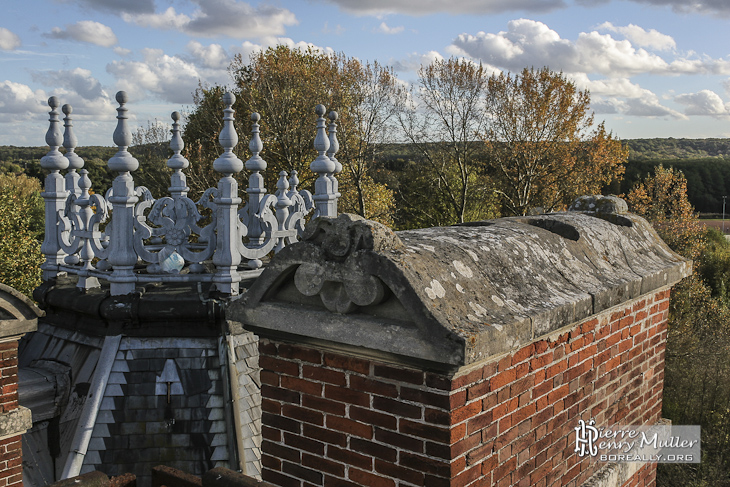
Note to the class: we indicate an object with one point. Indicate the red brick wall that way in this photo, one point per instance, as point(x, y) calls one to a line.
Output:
point(11, 459)
point(11, 455)
point(645, 477)
point(8, 376)
point(335, 420)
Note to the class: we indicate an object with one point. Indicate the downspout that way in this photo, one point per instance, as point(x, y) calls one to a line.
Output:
point(232, 415)
point(85, 427)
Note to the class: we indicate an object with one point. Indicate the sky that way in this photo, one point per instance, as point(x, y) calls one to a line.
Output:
point(654, 68)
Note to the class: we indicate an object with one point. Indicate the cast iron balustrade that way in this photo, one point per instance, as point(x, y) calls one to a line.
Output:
point(168, 239)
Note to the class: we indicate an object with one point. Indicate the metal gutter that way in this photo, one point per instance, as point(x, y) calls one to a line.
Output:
point(87, 420)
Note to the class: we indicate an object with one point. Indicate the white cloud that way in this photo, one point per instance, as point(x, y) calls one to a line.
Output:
point(532, 43)
point(711, 7)
point(425, 7)
point(215, 18)
point(117, 6)
point(122, 52)
point(704, 102)
point(211, 56)
point(9, 41)
point(650, 107)
point(246, 49)
point(77, 80)
point(20, 99)
point(173, 78)
point(620, 95)
point(168, 77)
point(167, 20)
point(647, 106)
point(414, 61)
point(385, 29)
point(86, 31)
point(651, 39)
point(21, 106)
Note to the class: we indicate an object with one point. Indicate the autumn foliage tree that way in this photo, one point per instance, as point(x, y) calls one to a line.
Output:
point(662, 199)
point(441, 119)
point(540, 141)
point(22, 222)
point(697, 367)
point(284, 85)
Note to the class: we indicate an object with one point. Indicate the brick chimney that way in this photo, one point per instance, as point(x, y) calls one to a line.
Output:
point(18, 316)
point(460, 356)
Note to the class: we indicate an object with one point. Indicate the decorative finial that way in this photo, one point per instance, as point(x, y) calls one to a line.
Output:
point(294, 180)
point(282, 185)
point(322, 164)
point(84, 184)
point(54, 160)
point(178, 182)
point(177, 161)
point(122, 161)
point(228, 163)
point(334, 144)
point(70, 141)
point(121, 97)
point(325, 193)
point(255, 162)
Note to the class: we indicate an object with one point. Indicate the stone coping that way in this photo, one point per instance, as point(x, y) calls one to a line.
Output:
point(457, 295)
point(18, 314)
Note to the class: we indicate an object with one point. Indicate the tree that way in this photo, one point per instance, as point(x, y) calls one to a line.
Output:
point(368, 125)
point(150, 145)
point(442, 119)
point(539, 141)
point(697, 367)
point(284, 85)
point(22, 221)
point(662, 199)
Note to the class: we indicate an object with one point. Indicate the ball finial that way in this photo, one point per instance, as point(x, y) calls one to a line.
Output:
point(333, 116)
point(67, 109)
point(122, 97)
point(53, 102)
point(255, 117)
point(229, 99)
point(319, 110)
point(175, 116)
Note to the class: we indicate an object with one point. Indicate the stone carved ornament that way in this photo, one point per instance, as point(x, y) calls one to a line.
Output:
point(340, 278)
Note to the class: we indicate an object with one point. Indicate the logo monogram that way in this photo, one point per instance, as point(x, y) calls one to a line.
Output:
point(585, 438)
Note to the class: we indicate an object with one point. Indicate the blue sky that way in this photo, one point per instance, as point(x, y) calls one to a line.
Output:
point(655, 68)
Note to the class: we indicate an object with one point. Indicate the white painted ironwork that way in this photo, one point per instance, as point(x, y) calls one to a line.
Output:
point(325, 196)
point(165, 240)
point(334, 147)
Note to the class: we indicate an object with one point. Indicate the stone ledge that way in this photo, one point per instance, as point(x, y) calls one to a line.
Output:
point(457, 295)
point(15, 422)
point(18, 314)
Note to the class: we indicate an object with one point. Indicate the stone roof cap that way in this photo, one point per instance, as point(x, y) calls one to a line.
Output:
point(457, 295)
point(18, 314)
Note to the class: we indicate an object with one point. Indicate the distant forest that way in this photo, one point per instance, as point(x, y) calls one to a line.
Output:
point(704, 162)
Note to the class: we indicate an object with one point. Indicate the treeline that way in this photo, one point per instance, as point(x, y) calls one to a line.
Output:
point(671, 148)
point(708, 180)
point(704, 162)
point(26, 160)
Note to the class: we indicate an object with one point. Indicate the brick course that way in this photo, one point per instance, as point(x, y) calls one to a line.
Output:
point(335, 420)
point(11, 456)
point(9, 376)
